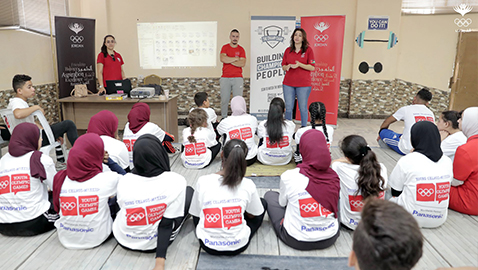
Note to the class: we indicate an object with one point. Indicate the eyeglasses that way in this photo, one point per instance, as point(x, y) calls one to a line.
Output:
point(113, 56)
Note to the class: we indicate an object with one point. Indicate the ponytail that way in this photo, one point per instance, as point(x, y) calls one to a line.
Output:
point(275, 120)
point(318, 112)
point(234, 162)
point(369, 181)
point(197, 118)
point(104, 50)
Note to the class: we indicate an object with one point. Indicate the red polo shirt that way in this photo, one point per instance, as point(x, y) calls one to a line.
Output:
point(229, 70)
point(464, 198)
point(111, 69)
point(298, 77)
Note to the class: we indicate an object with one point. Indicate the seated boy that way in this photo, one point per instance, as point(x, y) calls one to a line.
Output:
point(387, 237)
point(23, 87)
point(410, 114)
point(202, 101)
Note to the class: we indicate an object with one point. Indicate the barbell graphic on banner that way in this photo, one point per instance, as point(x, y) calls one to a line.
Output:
point(364, 67)
point(392, 40)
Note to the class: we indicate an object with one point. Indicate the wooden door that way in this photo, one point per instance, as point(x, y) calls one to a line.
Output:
point(464, 83)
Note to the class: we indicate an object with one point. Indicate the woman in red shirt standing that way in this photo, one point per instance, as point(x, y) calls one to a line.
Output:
point(298, 62)
point(109, 63)
point(464, 192)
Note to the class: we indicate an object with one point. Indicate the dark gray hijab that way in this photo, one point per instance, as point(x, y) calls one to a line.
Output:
point(425, 139)
point(149, 157)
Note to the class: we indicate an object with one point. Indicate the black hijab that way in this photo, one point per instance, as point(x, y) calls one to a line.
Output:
point(425, 139)
point(149, 157)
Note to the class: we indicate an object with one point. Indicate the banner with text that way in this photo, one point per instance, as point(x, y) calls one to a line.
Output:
point(270, 36)
point(326, 37)
point(75, 50)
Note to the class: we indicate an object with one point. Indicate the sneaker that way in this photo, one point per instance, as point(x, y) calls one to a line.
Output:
point(59, 166)
point(297, 158)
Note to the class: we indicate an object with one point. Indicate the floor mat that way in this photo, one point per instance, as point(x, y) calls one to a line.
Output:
point(259, 169)
point(265, 262)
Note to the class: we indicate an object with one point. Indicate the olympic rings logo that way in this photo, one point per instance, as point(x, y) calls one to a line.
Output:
point(68, 206)
point(426, 192)
point(189, 150)
point(356, 203)
point(310, 207)
point(234, 135)
point(136, 217)
point(76, 39)
point(374, 24)
point(3, 184)
point(463, 22)
point(212, 218)
point(321, 38)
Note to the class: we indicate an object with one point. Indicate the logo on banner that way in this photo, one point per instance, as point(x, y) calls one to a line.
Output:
point(272, 35)
point(76, 39)
point(322, 26)
point(321, 38)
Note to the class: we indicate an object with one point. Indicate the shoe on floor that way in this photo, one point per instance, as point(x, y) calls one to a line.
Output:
point(59, 166)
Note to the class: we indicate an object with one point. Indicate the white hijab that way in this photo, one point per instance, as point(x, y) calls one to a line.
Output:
point(469, 122)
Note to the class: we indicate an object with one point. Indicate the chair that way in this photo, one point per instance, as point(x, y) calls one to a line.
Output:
point(11, 122)
point(152, 79)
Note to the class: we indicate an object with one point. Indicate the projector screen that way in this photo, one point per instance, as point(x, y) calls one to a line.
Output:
point(177, 44)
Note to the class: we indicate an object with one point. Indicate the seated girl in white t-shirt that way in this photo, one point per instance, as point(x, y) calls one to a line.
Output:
point(199, 143)
point(154, 201)
point(81, 195)
point(450, 133)
point(25, 176)
point(240, 125)
point(276, 136)
point(304, 214)
point(317, 114)
point(138, 124)
point(421, 180)
point(226, 207)
point(361, 177)
point(105, 124)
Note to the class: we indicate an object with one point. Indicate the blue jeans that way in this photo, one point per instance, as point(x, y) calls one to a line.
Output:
point(302, 97)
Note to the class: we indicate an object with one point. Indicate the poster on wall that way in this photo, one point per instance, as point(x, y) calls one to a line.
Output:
point(177, 44)
point(326, 37)
point(75, 50)
point(270, 36)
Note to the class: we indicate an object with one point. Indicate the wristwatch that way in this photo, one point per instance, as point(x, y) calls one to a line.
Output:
point(101, 86)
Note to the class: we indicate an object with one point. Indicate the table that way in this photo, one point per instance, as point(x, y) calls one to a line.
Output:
point(79, 110)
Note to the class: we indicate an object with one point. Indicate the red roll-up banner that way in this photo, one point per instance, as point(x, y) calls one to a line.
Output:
point(326, 37)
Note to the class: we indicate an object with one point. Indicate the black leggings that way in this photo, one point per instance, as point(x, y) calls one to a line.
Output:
point(253, 223)
point(276, 215)
point(43, 223)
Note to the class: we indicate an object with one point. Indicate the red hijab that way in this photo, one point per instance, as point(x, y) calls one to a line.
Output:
point(324, 183)
point(138, 116)
point(84, 162)
point(103, 123)
point(24, 139)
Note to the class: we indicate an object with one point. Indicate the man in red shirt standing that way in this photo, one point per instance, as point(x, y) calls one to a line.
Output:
point(233, 57)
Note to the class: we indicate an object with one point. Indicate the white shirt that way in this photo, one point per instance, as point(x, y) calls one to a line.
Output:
point(410, 115)
point(221, 212)
point(211, 117)
point(23, 197)
point(242, 127)
point(425, 187)
point(144, 201)
point(85, 218)
point(117, 151)
point(129, 138)
point(350, 204)
point(330, 132)
point(451, 143)
point(198, 155)
point(18, 103)
point(305, 219)
point(276, 154)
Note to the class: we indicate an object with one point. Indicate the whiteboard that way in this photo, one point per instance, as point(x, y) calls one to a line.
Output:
point(177, 44)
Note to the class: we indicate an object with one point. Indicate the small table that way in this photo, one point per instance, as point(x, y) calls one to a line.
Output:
point(79, 110)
